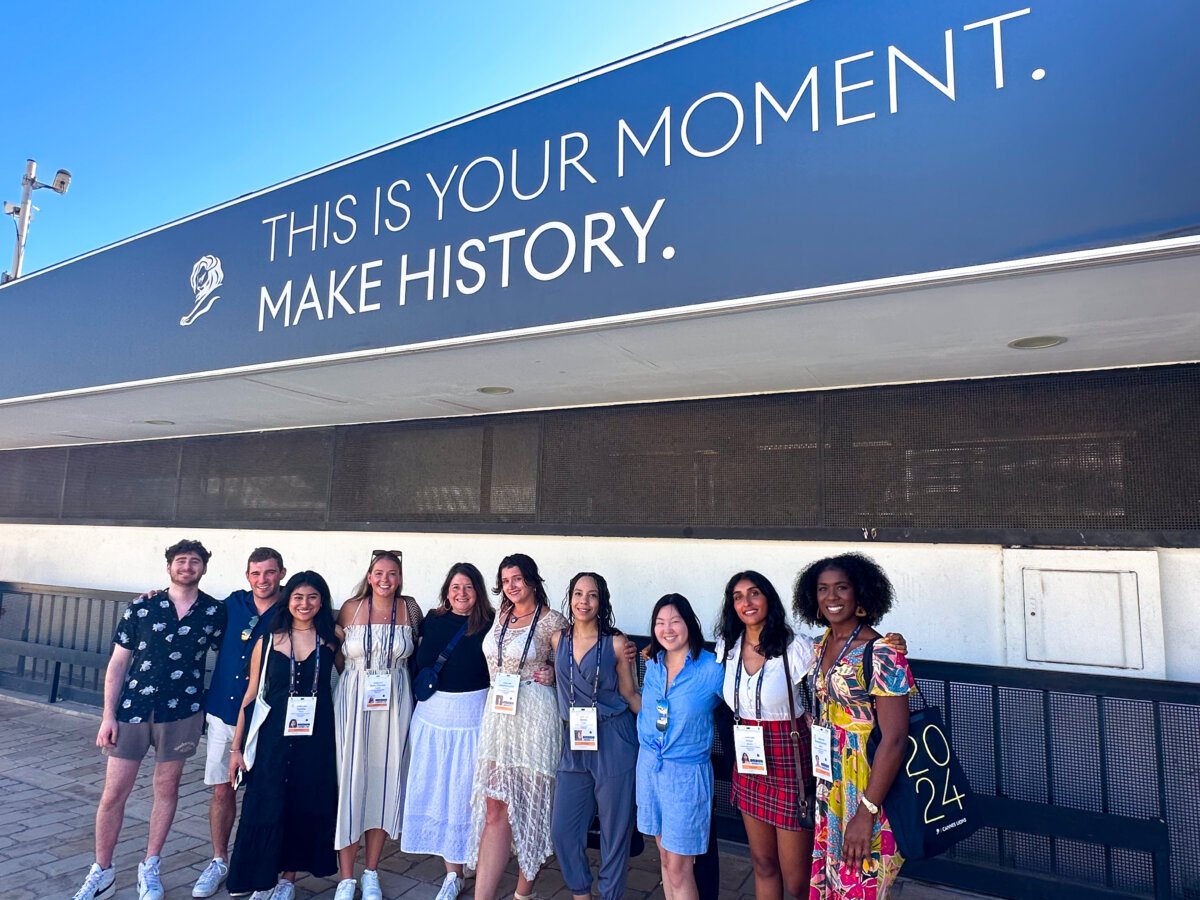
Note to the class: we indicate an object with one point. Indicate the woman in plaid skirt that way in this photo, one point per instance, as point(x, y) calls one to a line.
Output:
point(773, 785)
point(753, 640)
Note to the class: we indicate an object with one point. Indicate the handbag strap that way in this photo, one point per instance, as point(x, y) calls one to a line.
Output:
point(793, 723)
point(449, 648)
point(262, 665)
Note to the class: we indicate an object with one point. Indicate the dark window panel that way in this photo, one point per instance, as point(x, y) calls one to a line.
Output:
point(31, 482)
point(123, 481)
point(270, 476)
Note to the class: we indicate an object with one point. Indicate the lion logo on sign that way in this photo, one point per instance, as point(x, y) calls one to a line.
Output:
point(206, 278)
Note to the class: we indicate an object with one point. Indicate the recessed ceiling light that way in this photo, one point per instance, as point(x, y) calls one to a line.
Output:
point(1037, 342)
point(159, 422)
point(494, 390)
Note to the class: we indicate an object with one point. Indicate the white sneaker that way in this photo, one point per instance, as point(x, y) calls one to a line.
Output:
point(370, 886)
point(345, 889)
point(285, 890)
point(211, 878)
point(451, 887)
point(100, 884)
point(263, 895)
point(149, 887)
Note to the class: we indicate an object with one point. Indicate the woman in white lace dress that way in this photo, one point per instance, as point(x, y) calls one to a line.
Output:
point(372, 711)
point(512, 796)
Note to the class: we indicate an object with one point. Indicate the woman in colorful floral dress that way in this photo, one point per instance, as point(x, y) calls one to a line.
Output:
point(854, 852)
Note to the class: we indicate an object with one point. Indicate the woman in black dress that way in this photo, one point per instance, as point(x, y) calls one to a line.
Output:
point(290, 809)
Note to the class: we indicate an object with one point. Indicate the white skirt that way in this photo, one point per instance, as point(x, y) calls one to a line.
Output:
point(441, 745)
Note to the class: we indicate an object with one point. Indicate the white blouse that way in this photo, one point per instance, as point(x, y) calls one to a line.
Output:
point(772, 678)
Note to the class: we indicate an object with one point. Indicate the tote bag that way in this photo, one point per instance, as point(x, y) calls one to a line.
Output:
point(930, 804)
point(262, 709)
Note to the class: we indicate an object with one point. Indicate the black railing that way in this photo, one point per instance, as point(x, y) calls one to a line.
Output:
point(56, 639)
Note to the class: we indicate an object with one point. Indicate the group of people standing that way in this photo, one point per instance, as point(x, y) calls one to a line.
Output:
point(476, 734)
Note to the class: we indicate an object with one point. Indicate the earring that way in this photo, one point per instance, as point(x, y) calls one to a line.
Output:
point(860, 612)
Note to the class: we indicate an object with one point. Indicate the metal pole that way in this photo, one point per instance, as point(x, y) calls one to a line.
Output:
point(27, 184)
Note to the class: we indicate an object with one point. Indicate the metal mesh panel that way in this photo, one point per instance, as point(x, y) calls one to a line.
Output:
point(1132, 871)
point(1075, 752)
point(31, 482)
point(268, 476)
point(1024, 745)
point(1106, 456)
point(436, 472)
point(1132, 784)
point(971, 716)
point(1181, 751)
point(751, 461)
point(122, 481)
point(1017, 453)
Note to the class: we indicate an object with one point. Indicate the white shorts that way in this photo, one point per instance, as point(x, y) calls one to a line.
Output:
point(216, 765)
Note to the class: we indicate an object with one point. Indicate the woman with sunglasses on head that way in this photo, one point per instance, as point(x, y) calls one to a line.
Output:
point(854, 854)
point(290, 808)
point(445, 725)
point(521, 737)
point(681, 689)
point(373, 708)
point(596, 681)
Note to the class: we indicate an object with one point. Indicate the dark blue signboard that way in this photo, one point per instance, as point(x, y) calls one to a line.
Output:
point(832, 141)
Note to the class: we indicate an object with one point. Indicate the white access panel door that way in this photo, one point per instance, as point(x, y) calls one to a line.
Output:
point(1084, 611)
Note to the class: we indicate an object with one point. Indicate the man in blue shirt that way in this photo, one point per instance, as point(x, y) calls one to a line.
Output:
point(249, 618)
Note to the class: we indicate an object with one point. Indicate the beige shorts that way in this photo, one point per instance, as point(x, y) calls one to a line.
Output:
point(172, 741)
point(216, 762)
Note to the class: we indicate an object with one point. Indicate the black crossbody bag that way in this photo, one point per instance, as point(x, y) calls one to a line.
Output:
point(425, 682)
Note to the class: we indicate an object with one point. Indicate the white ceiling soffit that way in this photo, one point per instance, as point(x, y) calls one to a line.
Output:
point(1122, 308)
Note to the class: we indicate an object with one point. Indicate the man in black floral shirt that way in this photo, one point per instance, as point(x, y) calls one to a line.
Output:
point(153, 696)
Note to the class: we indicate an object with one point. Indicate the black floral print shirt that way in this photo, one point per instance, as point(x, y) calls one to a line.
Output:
point(166, 673)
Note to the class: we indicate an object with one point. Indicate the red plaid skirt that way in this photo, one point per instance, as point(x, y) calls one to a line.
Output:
point(775, 797)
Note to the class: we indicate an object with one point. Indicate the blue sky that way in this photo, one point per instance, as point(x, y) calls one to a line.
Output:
point(161, 109)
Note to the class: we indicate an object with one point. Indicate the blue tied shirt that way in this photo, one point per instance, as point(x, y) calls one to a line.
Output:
point(694, 694)
point(230, 671)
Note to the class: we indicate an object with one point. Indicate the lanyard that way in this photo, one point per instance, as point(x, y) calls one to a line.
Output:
point(737, 689)
point(571, 667)
point(817, 664)
point(391, 636)
point(528, 640)
point(292, 662)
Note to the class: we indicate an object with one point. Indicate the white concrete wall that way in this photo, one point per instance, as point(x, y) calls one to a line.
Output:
point(950, 598)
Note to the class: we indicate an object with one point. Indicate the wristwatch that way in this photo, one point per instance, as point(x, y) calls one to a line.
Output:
point(871, 807)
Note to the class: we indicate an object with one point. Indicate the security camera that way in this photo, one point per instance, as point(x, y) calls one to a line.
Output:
point(11, 209)
point(62, 180)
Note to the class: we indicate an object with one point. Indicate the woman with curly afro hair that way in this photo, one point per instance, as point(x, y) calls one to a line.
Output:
point(854, 851)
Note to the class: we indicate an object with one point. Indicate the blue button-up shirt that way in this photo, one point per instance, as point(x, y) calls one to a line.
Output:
point(694, 694)
point(230, 672)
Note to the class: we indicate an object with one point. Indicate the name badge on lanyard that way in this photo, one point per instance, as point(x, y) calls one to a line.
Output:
point(749, 741)
point(504, 693)
point(301, 711)
point(822, 752)
point(377, 691)
point(507, 684)
point(300, 714)
point(583, 728)
point(584, 732)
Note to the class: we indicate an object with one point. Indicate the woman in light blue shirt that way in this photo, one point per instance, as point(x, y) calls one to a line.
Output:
point(681, 689)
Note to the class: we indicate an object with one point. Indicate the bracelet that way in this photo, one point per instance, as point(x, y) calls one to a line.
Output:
point(235, 750)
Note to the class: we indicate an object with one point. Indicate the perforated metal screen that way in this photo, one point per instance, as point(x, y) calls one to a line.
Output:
point(1109, 454)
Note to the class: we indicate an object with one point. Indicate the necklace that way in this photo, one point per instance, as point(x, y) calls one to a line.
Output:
point(309, 628)
point(513, 620)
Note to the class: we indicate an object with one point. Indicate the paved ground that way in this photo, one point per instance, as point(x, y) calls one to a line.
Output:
point(50, 778)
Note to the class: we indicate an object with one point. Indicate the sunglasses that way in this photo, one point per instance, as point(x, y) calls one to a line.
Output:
point(375, 554)
point(663, 708)
point(248, 631)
